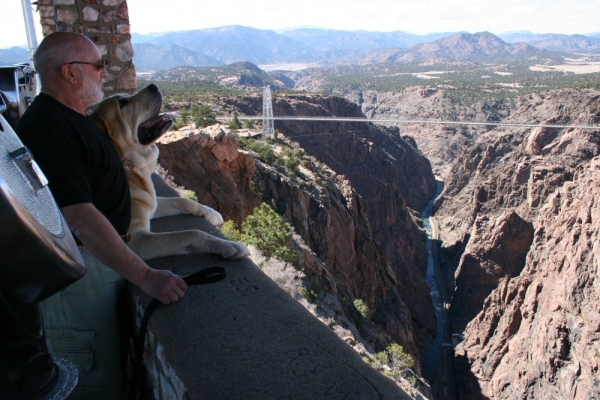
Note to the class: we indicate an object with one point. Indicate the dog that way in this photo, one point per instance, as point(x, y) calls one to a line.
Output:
point(133, 125)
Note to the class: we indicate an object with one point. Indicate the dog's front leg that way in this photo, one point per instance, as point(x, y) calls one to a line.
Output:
point(167, 206)
point(149, 245)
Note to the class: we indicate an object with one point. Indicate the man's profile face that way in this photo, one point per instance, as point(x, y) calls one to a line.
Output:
point(93, 72)
point(91, 92)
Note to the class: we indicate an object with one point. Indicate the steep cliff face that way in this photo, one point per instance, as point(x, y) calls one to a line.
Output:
point(496, 249)
point(391, 179)
point(440, 143)
point(537, 334)
point(213, 167)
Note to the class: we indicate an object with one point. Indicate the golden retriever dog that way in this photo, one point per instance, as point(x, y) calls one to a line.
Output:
point(133, 125)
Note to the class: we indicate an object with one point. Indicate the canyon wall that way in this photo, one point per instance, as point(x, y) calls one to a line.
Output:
point(522, 203)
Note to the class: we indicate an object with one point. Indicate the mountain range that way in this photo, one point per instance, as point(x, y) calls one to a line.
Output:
point(325, 47)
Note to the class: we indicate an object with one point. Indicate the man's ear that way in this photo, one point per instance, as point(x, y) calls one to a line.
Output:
point(68, 74)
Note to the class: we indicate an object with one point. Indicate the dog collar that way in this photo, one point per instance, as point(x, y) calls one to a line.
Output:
point(129, 165)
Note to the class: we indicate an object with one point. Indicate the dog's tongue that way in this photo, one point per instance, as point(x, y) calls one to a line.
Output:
point(154, 128)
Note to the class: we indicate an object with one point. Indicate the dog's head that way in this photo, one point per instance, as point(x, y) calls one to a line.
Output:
point(133, 124)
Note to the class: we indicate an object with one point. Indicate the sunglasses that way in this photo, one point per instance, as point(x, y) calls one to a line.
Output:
point(98, 65)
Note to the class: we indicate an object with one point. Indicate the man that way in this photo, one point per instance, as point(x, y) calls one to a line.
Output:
point(89, 184)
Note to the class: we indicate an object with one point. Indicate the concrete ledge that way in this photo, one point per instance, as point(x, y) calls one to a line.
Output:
point(245, 338)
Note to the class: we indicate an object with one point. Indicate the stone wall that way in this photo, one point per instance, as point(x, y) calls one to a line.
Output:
point(106, 23)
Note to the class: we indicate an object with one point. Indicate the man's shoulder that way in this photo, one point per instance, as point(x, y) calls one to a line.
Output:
point(49, 117)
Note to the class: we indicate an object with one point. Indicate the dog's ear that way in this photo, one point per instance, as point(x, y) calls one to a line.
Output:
point(101, 121)
point(105, 120)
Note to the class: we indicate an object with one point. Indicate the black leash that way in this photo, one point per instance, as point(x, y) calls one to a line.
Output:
point(208, 275)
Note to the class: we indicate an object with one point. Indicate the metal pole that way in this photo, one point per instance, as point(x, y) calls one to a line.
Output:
point(30, 29)
point(33, 44)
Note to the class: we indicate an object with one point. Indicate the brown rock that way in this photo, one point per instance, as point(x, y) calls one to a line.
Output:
point(541, 137)
point(222, 180)
point(537, 335)
point(497, 249)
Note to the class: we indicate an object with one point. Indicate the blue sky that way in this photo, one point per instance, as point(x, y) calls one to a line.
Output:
point(416, 16)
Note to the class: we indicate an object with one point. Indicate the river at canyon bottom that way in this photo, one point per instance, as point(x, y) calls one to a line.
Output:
point(432, 357)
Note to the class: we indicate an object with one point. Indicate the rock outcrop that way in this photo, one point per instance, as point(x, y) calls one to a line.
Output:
point(496, 249)
point(537, 335)
point(213, 167)
point(440, 143)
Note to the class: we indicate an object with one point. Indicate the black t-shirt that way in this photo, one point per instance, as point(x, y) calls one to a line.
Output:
point(79, 161)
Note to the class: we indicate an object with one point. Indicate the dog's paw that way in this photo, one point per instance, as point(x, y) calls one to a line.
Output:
point(236, 250)
point(212, 216)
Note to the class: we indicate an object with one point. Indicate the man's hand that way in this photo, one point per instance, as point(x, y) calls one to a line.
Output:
point(98, 235)
point(164, 286)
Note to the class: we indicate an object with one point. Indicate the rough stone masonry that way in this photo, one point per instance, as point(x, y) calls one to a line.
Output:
point(106, 23)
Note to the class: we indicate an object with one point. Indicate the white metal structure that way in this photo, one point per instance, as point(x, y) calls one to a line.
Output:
point(268, 129)
point(30, 29)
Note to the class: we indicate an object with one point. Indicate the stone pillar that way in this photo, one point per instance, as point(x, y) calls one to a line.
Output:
point(106, 23)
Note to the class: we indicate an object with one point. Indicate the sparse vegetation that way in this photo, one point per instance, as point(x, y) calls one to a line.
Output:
point(464, 83)
point(362, 308)
point(230, 231)
point(397, 360)
point(190, 194)
point(203, 116)
point(311, 295)
point(266, 230)
point(235, 122)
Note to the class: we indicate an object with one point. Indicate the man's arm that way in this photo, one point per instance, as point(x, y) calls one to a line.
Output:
point(102, 240)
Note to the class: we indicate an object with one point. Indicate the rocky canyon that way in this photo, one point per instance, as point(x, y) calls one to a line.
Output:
point(518, 218)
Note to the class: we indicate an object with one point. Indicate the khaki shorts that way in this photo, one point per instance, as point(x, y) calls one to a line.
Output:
point(81, 325)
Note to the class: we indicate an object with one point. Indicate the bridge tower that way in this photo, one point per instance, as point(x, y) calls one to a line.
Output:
point(268, 127)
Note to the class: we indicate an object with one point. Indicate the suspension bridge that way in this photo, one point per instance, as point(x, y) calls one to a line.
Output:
point(269, 130)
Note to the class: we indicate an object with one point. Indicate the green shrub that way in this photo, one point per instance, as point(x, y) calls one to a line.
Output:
point(230, 231)
point(279, 160)
point(203, 116)
point(287, 152)
point(266, 230)
point(309, 294)
point(235, 122)
point(190, 194)
point(183, 118)
point(361, 307)
point(292, 165)
point(398, 361)
point(267, 155)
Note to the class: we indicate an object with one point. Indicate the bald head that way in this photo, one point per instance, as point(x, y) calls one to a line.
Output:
point(57, 49)
point(62, 61)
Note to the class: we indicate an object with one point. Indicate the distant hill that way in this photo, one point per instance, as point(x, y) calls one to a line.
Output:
point(556, 42)
point(236, 76)
point(327, 47)
point(329, 43)
point(13, 55)
point(152, 58)
point(478, 47)
point(231, 44)
point(137, 38)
